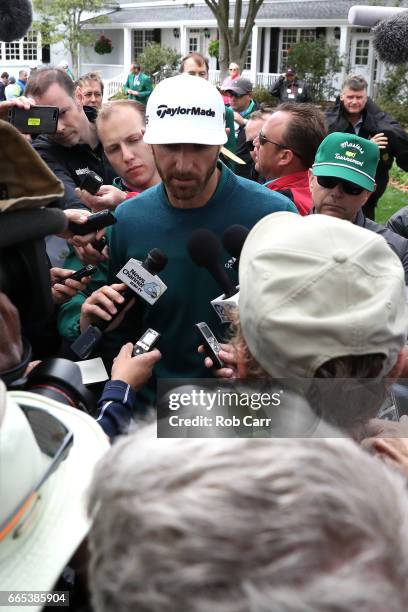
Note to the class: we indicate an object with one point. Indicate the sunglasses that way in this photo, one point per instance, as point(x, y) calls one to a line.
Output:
point(55, 440)
point(235, 95)
point(330, 182)
point(263, 140)
point(250, 145)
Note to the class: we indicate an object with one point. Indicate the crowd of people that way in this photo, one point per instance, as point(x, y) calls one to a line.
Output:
point(306, 510)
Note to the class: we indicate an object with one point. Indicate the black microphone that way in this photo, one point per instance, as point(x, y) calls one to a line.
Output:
point(23, 225)
point(205, 250)
point(233, 241)
point(86, 343)
point(391, 39)
point(16, 17)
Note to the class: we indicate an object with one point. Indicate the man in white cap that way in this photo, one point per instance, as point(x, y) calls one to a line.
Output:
point(321, 298)
point(185, 119)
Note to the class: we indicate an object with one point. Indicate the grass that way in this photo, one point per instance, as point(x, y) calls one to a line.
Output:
point(392, 200)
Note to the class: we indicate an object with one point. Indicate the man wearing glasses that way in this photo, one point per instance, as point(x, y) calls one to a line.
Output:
point(342, 179)
point(243, 105)
point(285, 149)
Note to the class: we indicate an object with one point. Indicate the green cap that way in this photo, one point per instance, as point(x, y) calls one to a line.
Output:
point(349, 157)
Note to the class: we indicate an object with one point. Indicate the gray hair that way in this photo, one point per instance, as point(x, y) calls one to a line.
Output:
point(356, 82)
point(246, 525)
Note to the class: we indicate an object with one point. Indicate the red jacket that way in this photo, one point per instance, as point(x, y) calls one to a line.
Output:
point(298, 185)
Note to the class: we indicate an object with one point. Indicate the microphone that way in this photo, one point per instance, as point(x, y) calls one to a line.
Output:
point(369, 16)
point(16, 17)
point(391, 39)
point(141, 279)
point(205, 250)
point(23, 225)
point(233, 241)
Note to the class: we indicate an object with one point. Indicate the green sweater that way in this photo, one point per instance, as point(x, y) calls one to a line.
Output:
point(154, 222)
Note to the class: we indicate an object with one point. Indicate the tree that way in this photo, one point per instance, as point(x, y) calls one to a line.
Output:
point(317, 62)
point(233, 40)
point(61, 21)
point(156, 58)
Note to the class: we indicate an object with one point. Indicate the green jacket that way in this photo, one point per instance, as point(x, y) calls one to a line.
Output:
point(142, 84)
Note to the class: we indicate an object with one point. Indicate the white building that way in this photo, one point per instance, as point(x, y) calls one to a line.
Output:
point(191, 26)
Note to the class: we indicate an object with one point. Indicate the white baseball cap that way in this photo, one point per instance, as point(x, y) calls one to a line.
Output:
point(185, 109)
point(315, 288)
point(42, 526)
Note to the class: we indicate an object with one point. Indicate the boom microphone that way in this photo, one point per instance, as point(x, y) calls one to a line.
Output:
point(23, 225)
point(205, 250)
point(369, 16)
point(391, 39)
point(16, 17)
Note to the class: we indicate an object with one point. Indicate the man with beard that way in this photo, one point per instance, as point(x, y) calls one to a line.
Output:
point(185, 126)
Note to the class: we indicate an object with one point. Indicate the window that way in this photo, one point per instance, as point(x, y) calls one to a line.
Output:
point(362, 50)
point(24, 50)
point(30, 46)
point(247, 65)
point(193, 44)
point(292, 36)
point(140, 39)
point(12, 51)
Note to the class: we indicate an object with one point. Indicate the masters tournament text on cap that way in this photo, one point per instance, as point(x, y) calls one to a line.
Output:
point(315, 288)
point(184, 109)
point(348, 157)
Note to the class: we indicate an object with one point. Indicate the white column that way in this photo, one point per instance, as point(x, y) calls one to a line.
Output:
point(254, 54)
point(266, 50)
point(183, 40)
point(344, 49)
point(127, 49)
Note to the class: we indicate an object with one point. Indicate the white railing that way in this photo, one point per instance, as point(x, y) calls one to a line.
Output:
point(112, 86)
point(263, 79)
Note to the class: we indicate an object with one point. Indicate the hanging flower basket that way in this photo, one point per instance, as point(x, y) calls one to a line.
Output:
point(103, 45)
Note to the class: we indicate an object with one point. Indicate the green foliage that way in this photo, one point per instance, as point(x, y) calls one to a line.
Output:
point(392, 200)
point(316, 62)
point(393, 94)
point(103, 45)
point(262, 96)
point(214, 48)
point(156, 58)
point(60, 21)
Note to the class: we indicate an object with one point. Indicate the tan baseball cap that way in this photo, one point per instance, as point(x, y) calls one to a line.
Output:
point(315, 288)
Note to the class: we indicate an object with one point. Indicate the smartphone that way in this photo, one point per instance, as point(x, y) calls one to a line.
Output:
point(94, 223)
point(211, 344)
point(85, 271)
point(146, 342)
point(91, 182)
point(99, 245)
point(35, 120)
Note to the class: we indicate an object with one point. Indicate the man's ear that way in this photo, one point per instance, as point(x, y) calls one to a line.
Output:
point(312, 179)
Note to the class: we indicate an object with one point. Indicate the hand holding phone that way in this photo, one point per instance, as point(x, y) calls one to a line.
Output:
point(95, 222)
point(211, 344)
point(146, 342)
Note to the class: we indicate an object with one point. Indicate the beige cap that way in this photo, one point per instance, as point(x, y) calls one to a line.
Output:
point(314, 288)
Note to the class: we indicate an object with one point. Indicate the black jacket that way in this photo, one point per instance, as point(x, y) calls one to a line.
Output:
point(397, 243)
point(375, 121)
point(70, 164)
point(298, 87)
point(241, 150)
point(398, 223)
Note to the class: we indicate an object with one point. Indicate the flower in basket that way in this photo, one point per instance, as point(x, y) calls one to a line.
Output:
point(103, 45)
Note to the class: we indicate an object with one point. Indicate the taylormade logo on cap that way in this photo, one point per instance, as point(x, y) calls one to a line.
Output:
point(164, 110)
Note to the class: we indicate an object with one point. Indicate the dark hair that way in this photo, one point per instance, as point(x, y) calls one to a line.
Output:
point(5, 75)
point(305, 130)
point(41, 80)
point(198, 58)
